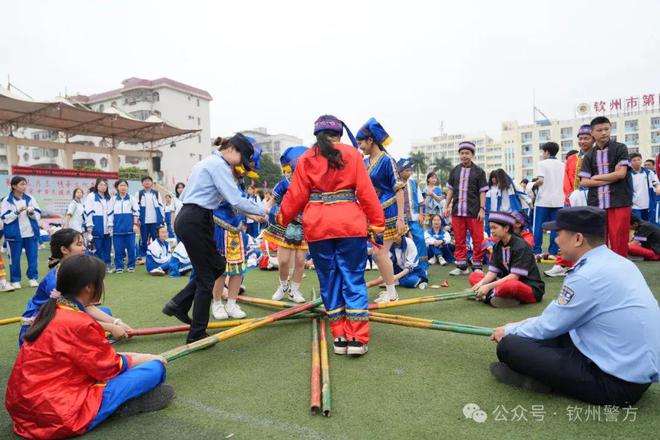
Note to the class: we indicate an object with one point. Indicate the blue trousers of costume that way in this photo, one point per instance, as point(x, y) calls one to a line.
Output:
point(253, 229)
point(417, 232)
point(147, 231)
point(413, 278)
point(103, 247)
point(541, 215)
point(444, 251)
point(31, 246)
point(130, 384)
point(124, 244)
point(340, 264)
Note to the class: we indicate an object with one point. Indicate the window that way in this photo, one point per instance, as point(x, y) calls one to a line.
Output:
point(613, 132)
point(632, 150)
point(655, 123)
point(566, 132)
point(566, 145)
point(142, 115)
point(632, 139)
point(199, 138)
point(104, 162)
point(197, 102)
point(655, 137)
point(155, 96)
point(527, 149)
point(526, 137)
point(157, 113)
point(632, 126)
point(199, 121)
point(114, 104)
point(544, 135)
point(656, 149)
point(191, 118)
point(101, 107)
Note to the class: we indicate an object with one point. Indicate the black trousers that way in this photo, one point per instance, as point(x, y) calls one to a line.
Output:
point(194, 226)
point(559, 364)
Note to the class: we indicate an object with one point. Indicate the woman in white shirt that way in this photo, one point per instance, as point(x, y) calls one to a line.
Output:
point(75, 213)
point(20, 215)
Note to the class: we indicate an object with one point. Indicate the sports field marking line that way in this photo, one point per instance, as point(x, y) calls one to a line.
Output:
point(256, 422)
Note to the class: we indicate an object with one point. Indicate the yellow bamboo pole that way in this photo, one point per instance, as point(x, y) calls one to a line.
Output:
point(10, 320)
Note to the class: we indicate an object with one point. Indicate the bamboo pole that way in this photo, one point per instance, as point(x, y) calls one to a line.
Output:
point(210, 341)
point(422, 320)
point(315, 387)
point(10, 320)
point(325, 372)
point(448, 328)
point(468, 293)
point(212, 325)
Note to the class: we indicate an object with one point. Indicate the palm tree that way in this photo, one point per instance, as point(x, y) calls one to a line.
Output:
point(418, 160)
point(441, 166)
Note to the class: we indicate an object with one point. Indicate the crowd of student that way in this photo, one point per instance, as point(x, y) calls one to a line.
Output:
point(341, 208)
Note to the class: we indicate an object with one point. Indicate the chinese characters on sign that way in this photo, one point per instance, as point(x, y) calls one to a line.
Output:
point(629, 104)
point(538, 413)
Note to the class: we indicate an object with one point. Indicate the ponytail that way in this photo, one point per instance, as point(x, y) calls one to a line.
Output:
point(333, 155)
point(75, 273)
point(221, 142)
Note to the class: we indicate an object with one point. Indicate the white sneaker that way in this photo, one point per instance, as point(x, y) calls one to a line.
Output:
point(295, 296)
point(33, 283)
point(442, 261)
point(235, 312)
point(6, 287)
point(16, 286)
point(340, 345)
point(433, 260)
point(456, 272)
point(280, 292)
point(422, 285)
point(386, 297)
point(219, 311)
point(556, 271)
point(158, 272)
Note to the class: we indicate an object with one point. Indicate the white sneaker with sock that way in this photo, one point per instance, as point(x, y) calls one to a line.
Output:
point(219, 311)
point(281, 291)
point(234, 310)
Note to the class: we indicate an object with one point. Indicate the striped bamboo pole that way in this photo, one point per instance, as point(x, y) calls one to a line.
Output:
point(443, 327)
point(468, 293)
point(10, 320)
point(212, 325)
point(315, 388)
point(325, 372)
point(210, 341)
point(423, 320)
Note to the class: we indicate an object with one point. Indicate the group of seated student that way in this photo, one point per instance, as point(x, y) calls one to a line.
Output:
point(162, 260)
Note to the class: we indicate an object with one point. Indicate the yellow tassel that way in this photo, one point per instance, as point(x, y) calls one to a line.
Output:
point(387, 141)
point(286, 169)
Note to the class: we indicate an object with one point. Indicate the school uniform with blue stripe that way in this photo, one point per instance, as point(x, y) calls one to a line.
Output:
point(405, 256)
point(152, 215)
point(122, 216)
point(97, 210)
point(21, 231)
point(158, 255)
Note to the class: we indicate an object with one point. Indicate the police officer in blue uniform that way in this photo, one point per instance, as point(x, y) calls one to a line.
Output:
point(599, 341)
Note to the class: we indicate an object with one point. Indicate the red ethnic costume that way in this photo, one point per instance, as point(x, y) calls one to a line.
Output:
point(70, 378)
point(339, 207)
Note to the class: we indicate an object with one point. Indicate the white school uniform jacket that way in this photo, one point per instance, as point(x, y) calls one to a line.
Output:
point(122, 215)
point(181, 254)
point(406, 256)
point(97, 210)
point(430, 236)
point(159, 251)
point(20, 225)
point(76, 210)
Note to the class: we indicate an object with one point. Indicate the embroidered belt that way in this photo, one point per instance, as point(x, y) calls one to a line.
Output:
point(224, 225)
point(328, 198)
point(389, 202)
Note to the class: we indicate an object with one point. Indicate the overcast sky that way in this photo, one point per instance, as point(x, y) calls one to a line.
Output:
point(280, 64)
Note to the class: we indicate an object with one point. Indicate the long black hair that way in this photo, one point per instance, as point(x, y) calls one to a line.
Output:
point(63, 238)
point(503, 179)
point(74, 275)
point(107, 187)
point(327, 150)
point(176, 189)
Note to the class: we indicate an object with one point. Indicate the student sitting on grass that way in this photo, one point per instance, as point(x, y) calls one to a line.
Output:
point(513, 277)
point(67, 377)
point(438, 243)
point(64, 244)
point(159, 256)
point(405, 262)
point(646, 239)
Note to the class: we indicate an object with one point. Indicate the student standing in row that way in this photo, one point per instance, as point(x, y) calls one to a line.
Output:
point(123, 219)
point(151, 214)
point(75, 212)
point(97, 219)
point(20, 215)
point(645, 188)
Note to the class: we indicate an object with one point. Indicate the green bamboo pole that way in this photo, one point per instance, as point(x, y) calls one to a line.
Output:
point(325, 372)
point(442, 327)
point(210, 341)
point(422, 320)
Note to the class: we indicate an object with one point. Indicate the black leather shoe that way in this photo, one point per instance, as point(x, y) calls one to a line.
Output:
point(172, 309)
point(190, 340)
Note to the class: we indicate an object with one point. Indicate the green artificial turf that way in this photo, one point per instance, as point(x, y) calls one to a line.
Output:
point(413, 383)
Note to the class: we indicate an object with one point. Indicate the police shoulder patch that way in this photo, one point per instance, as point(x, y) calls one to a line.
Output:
point(566, 294)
